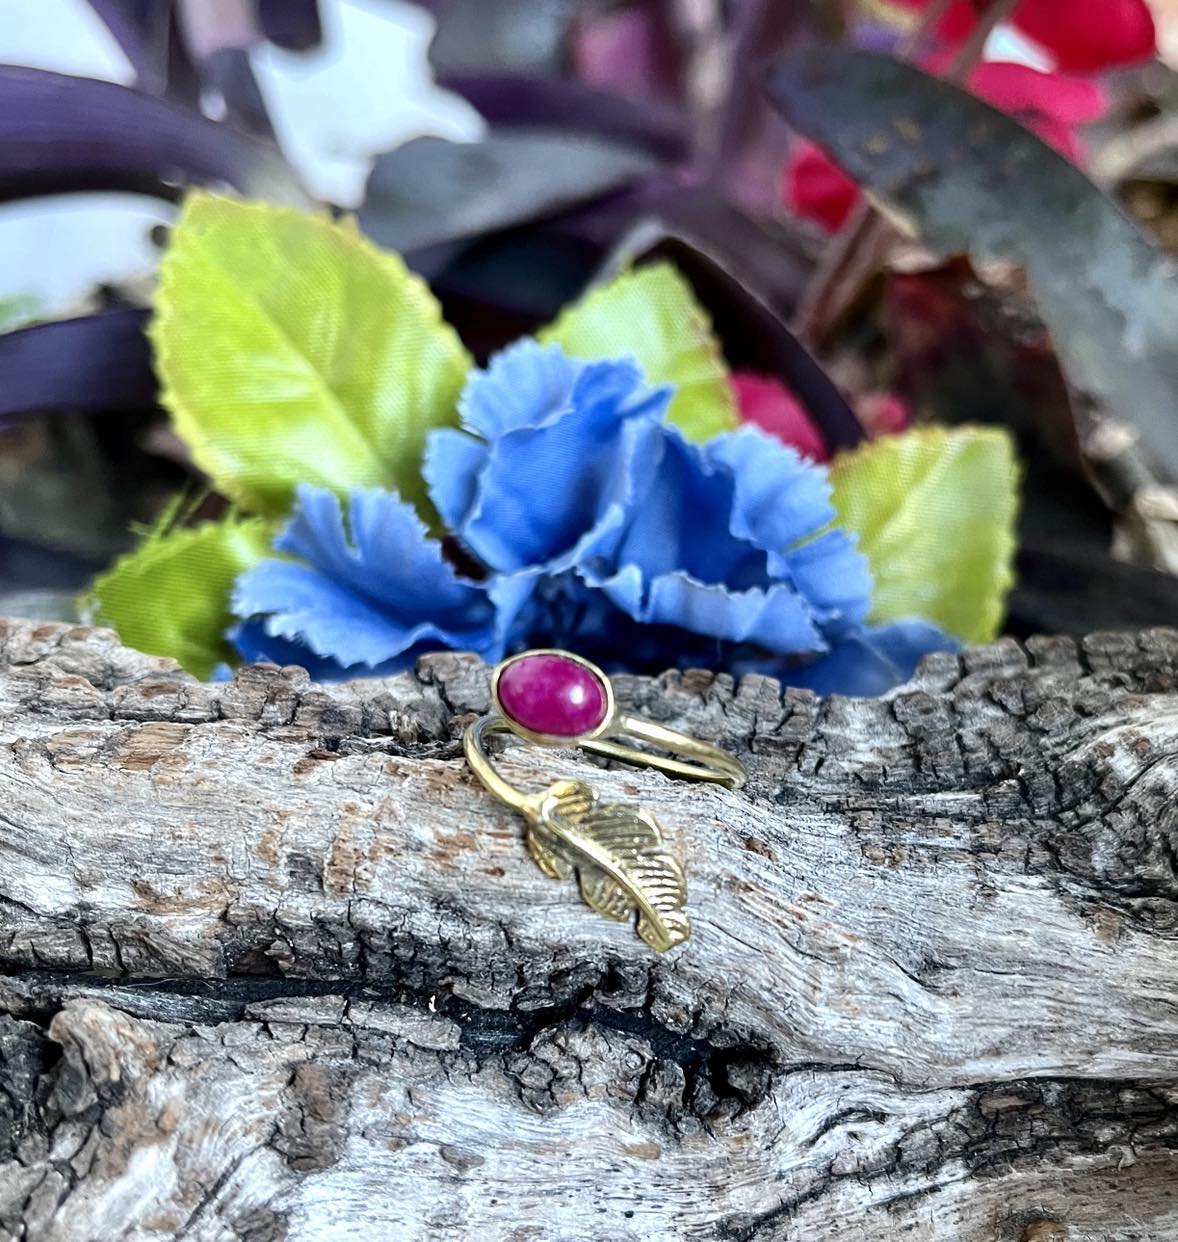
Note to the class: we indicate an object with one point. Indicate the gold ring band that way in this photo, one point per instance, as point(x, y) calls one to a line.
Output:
point(711, 764)
point(555, 698)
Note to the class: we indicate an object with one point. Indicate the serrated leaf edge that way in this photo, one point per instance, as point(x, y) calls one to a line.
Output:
point(953, 441)
point(187, 425)
point(660, 930)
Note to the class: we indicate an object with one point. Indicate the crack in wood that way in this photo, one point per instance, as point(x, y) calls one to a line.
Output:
point(276, 969)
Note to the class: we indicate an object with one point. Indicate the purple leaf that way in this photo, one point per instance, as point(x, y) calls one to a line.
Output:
point(60, 133)
point(632, 51)
point(92, 363)
point(767, 256)
point(751, 140)
point(291, 24)
point(500, 285)
point(534, 101)
point(230, 72)
point(209, 28)
point(219, 38)
point(754, 337)
point(25, 565)
point(1064, 587)
point(505, 285)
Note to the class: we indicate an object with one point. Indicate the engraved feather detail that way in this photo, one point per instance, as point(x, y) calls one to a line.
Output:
point(619, 859)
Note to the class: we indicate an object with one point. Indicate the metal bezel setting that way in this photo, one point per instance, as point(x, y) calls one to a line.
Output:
point(608, 721)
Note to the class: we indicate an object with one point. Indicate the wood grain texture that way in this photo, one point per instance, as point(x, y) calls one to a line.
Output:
point(273, 965)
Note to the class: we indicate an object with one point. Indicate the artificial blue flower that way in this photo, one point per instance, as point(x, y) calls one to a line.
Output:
point(589, 522)
point(366, 594)
point(255, 644)
point(550, 458)
point(870, 660)
point(728, 541)
point(570, 466)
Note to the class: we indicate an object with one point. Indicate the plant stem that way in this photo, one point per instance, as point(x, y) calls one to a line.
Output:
point(970, 52)
point(764, 28)
point(856, 254)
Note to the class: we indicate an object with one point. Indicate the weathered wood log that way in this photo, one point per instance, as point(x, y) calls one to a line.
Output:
point(275, 966)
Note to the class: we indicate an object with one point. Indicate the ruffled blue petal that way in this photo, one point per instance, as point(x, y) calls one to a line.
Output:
point(730, 534)
point(546, 492)
point(524, 386)
point(383, 554)
point(617, 391)
point(256, 646)
point(452, 465)
point(302, 604)
point(906, 642)
point(870, 661)
point(780, 502)
point(514, 599)
point(832, 574)
point(776, 617)
point(368, 593)
point(778, 497)
point(680, 521)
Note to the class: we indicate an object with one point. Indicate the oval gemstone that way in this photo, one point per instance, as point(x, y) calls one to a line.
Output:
point(552, 694)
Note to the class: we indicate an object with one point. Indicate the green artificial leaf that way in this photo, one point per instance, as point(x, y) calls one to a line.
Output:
point(291, 350)
point(19, 311)
point(170, 595)
point(934, 510)
point(651, 314)
point(969, 178)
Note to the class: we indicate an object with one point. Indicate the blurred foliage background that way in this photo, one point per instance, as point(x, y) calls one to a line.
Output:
point(862, 231)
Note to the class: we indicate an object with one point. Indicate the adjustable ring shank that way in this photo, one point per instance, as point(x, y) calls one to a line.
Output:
point(710, 762)
point(481, 765)
point(702, 762)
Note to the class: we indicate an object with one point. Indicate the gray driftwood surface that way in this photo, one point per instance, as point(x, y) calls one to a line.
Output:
point(273, 965)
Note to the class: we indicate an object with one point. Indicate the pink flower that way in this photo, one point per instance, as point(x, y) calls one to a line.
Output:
point(768, 404)
point(816, 188)
point(882, 413)
point(1084, 36)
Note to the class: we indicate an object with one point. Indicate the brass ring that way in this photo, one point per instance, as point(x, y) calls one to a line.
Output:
point(555, 698)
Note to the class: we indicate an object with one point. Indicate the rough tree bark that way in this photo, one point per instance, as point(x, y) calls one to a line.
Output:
point(275, 966)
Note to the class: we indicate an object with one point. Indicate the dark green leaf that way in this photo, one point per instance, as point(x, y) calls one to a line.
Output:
point(972, 179)
point(539, 101)
point(431, 191)
point(499, 34)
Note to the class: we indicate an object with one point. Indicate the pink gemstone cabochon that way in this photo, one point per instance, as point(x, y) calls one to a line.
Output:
point(552, 694)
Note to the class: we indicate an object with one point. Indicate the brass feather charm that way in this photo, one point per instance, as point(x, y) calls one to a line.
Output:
point(618, 856)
